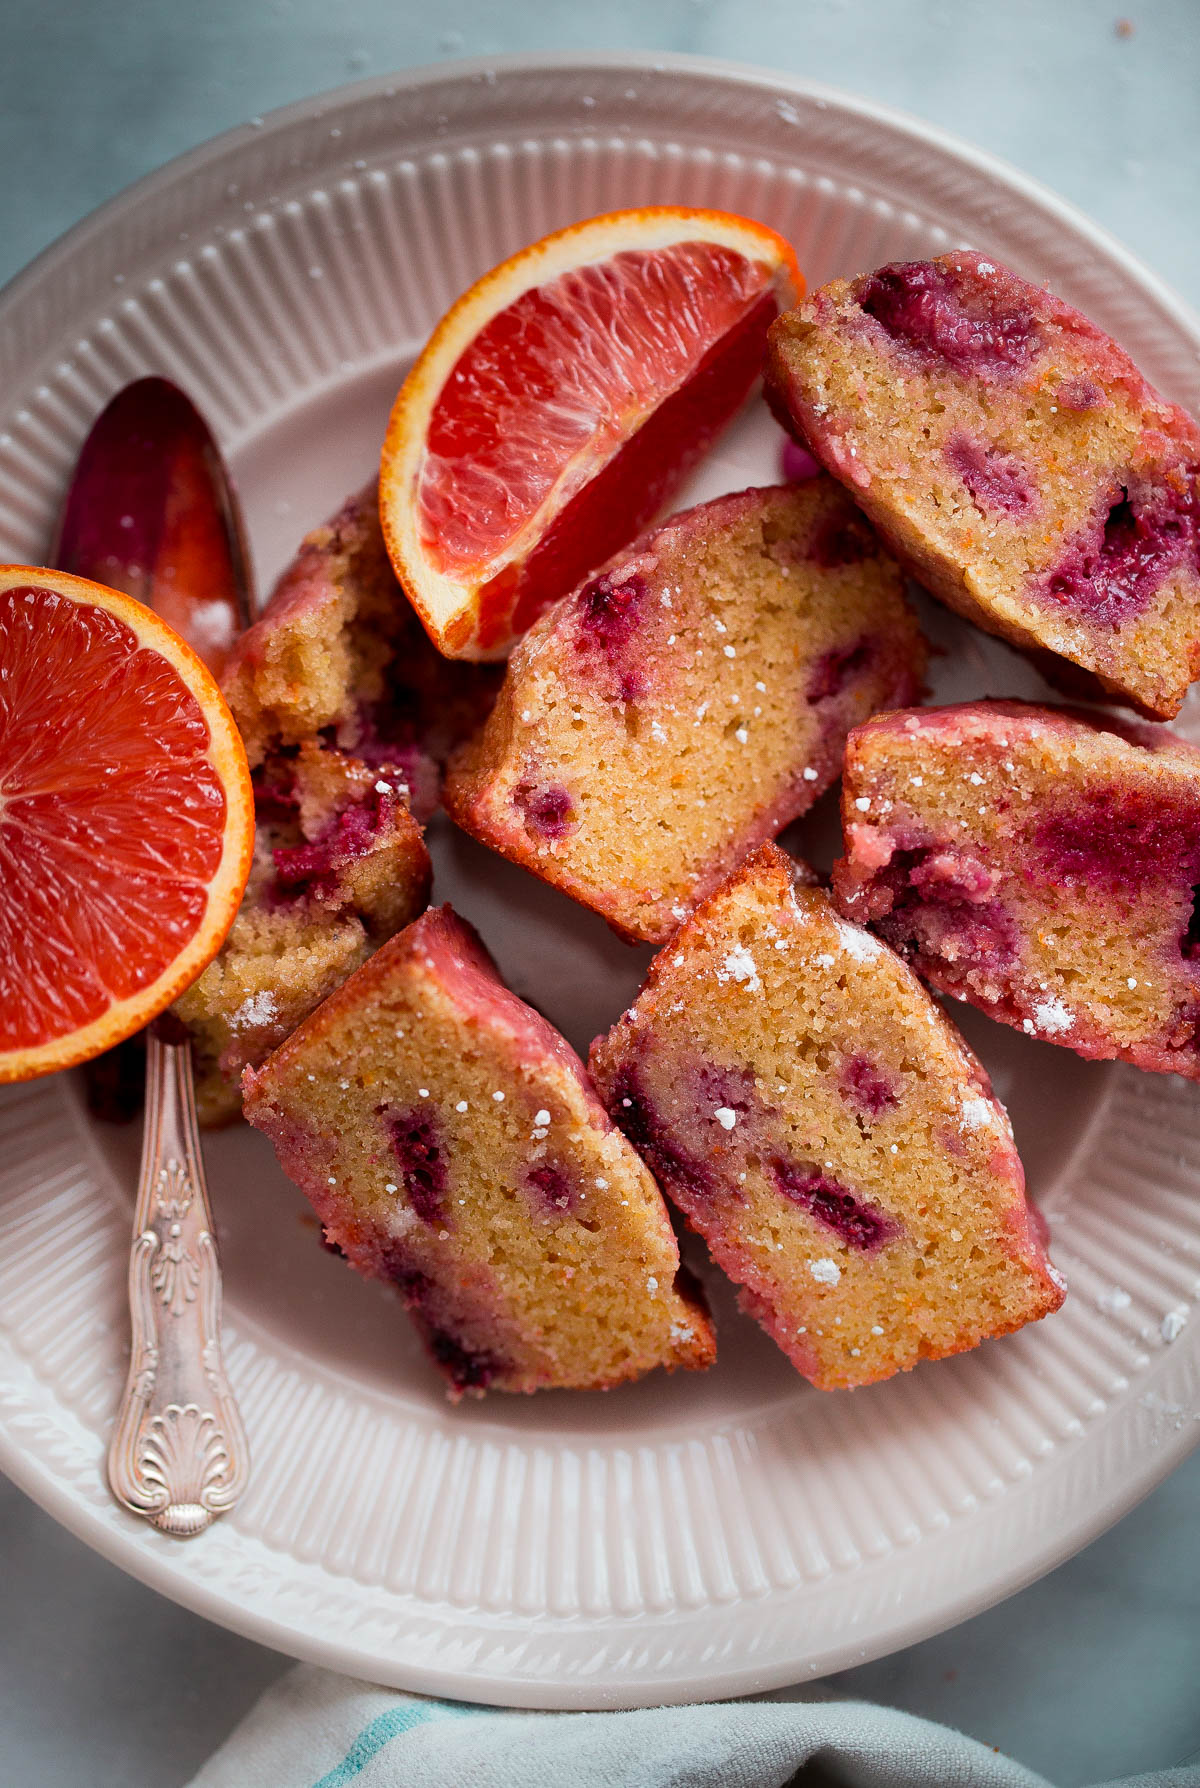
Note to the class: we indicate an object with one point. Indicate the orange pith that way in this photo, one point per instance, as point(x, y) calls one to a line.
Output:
point(561, 401)
point(126, 819)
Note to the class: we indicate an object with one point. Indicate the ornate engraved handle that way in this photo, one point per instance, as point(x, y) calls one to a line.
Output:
point(178, 1453)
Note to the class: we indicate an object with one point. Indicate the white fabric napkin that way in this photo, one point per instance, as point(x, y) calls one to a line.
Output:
point(317, 1730)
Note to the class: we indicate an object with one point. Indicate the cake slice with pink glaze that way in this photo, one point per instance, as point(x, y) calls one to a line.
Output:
point(339, 865)
point(818, 1120)
point(1041, 863)
point(686, 703)
point(348, 714)
point(338, 654)
point(452, 1146)
point(1014, 456)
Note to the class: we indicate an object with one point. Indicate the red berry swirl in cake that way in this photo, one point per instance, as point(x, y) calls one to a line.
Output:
point(821, 1124)
point(452, 1145)
point(687, 702)
point(1043, 864)
point(1014, 457)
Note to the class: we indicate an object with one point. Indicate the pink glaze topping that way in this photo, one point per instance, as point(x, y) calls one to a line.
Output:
point(452, 951)
point(974, 316)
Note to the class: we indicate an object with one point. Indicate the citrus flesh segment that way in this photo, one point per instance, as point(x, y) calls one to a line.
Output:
point(620, 500)
point(126, 819)
point(561, 402)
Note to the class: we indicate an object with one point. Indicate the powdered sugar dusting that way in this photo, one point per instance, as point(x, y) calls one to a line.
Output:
point(825, 1272)
point(740, 966)
point(1052, 1018)
point(260, 1008)
point(858, 944)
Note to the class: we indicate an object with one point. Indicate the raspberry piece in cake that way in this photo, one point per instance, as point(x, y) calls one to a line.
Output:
point(339, 653)
point(452, 1145)
point(339, 865)
point(1044, 865)
point(808, 1107)
point(1014, 457)
point(689, 701)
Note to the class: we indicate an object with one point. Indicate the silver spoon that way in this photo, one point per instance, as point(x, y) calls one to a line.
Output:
point(151, 511)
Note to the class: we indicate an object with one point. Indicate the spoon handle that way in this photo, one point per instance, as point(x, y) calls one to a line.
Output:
point(178, 1453)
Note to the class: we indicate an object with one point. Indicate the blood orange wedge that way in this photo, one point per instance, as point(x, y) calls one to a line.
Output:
point(126, 818)
point(561, 401)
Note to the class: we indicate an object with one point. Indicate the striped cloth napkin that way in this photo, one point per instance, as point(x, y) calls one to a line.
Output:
point(317, 1730)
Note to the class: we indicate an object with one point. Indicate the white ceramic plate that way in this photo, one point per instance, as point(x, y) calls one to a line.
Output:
point(686, 1537)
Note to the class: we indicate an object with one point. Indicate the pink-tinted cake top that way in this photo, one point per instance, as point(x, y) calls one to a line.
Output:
point(974, 315)
point(992, 719)
point(966, 311)
point(451, 950)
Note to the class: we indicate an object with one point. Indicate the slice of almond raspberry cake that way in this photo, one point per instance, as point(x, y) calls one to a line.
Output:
point(826, 1130)
point(689, 701)
point(452, 1145)
point(339, 654)
point(348, 714)
point(1043, 864)
point(339, 865)
point(1014, 456)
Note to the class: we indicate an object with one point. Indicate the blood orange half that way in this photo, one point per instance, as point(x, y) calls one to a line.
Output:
point(126, 818)
point(561, 401)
